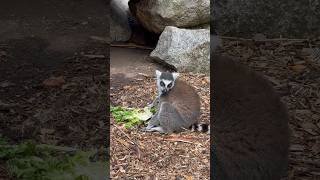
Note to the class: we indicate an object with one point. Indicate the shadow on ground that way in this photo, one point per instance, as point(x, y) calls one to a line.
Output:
point(53, 71)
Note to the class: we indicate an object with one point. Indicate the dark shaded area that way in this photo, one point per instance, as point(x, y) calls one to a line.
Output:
point(41, 39)
point(52, 18)
point(295, 76)
point(250, 124)
point(291, 19)
point(140, 35)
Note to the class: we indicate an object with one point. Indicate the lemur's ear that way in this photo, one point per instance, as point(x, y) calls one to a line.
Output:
point(158, 73)
point(175, 75)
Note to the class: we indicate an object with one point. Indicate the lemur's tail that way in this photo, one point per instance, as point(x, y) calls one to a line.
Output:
point(200, 127)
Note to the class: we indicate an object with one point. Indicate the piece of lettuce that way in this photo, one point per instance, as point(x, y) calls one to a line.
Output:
point(131, 116)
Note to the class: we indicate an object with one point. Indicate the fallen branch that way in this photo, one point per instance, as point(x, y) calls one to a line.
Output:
point(58, 148)
point(181, 139)
point(53, 147)
point(262, 40)
point(93, 56)
point(132, 46)
point(101, 39)
point(5, 106)
point(145, 75)
point(124, 134)
point(314, 163)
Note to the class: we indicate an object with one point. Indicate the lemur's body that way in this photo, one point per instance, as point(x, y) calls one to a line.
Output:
point(250, 125)
point(178, 105)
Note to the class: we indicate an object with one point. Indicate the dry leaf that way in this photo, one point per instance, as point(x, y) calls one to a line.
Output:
point(296, 147)
point(126, 87)
point(309, 127)
point(298, 67)
point(316, 148)
point(46, 131)
point(54, 81)
point(188, 177)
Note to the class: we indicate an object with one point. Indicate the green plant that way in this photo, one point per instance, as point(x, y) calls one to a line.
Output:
point(42, 162)
point(131, 116)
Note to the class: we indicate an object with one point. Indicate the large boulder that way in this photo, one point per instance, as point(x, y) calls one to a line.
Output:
point(119, 23)
point(187, 50)
point(155, 15)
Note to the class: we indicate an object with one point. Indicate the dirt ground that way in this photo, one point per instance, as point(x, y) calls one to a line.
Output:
point(140, 155)
point(53, 72)
point(295, 74)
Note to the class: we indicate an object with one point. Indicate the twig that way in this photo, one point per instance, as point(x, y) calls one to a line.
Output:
point(101, 39)
point(315, 163)
point(312, 64)
point(125, 134)
point(181, 140)
point(92, 56)
point(132, 46)
point(262, 40)
point(145, 75)
point(57, 148)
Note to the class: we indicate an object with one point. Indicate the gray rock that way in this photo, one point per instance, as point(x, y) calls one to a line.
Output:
point(155, 15)
point(186, 50)
point(119, 24)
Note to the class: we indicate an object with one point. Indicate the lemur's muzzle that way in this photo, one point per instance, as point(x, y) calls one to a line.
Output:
point(164, 91)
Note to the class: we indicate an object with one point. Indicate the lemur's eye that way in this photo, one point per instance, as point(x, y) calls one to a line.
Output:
point(161, 83)
point(169, 85)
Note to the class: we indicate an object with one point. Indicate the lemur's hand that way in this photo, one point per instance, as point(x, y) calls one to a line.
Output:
point(154, 103)
point(151, 105)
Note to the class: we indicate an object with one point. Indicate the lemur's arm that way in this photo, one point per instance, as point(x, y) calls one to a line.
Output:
point(154, 102)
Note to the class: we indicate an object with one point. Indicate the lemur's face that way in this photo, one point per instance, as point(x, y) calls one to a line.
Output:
point(165, 81)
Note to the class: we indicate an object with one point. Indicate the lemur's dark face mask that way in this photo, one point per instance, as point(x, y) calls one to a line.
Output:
point(165, 87)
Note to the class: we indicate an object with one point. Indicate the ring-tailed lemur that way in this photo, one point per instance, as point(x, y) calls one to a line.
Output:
point(250, 134)
point(177, 104)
